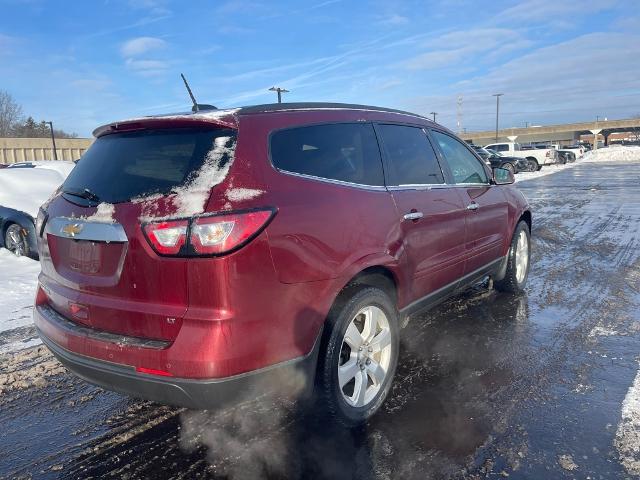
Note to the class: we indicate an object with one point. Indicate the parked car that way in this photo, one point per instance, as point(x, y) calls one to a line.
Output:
point(496, 160)
point(566, 156)
point(539, 157)
point(23, 188)
point(570, 152)
point(219, 255)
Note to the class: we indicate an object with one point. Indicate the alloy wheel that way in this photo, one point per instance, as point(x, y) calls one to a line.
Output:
point(365, 356)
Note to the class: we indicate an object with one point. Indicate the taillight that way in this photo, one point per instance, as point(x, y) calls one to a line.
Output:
point(208, 235)
point(167, 238)
point(224, 233)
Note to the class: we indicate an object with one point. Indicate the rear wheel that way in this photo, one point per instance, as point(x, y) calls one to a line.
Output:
point(535, 166)
point(360, 354)
point(518, 261)
point(15, 240)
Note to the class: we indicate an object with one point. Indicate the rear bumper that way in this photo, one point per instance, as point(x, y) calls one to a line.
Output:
point(289, 379)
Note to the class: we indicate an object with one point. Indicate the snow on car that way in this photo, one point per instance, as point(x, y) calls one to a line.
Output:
point(23, 188)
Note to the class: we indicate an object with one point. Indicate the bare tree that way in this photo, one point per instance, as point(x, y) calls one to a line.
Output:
point(10, 113)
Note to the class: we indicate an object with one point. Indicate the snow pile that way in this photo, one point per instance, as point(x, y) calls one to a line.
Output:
point(627, 439)
point(104, 214)
point(18, 286)
point(613, 154)
point(239, 194)
point(25, 189)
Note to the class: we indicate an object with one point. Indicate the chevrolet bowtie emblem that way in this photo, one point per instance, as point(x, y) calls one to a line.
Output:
point(72, 229)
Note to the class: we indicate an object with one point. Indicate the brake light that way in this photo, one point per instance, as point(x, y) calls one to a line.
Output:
point(208, 235)
point(167, 238)
point(224, 233)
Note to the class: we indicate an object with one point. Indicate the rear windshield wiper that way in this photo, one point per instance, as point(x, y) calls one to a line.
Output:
point(85, 193)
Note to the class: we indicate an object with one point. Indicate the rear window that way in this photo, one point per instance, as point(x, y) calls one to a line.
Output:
point(122, 166)
point(347, 152)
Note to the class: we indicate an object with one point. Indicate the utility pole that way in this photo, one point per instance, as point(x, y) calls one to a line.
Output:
point(280, 92)
point(53, 140)
point(497, 95)
point(459, 113)
point(434, 116)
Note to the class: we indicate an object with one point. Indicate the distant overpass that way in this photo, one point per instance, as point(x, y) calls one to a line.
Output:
point(567, 133)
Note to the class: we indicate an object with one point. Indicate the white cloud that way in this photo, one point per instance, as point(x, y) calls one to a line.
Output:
point(393, 20)
point(457, 47)
point(6, 43)
point(573, 80)
point(154, 7)
point(546, 10)
point(141, 45)
point(147, 68)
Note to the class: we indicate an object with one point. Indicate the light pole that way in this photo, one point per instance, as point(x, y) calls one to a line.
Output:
point(497, 95)
point(53, 140)
point(434, 116)
point(280, 92)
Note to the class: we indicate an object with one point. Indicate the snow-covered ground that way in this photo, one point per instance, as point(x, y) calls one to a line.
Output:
point(628, 433)
point(18, 279)
point(610, 154)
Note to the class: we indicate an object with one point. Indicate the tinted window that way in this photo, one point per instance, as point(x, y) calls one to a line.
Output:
point(411, 156)
point(347, 152)
point(466, 168)
point(121, 166)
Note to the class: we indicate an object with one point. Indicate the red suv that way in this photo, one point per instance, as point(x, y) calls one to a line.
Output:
point(193, 258)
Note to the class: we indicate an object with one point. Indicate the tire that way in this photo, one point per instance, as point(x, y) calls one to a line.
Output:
point(16, 241)
point(350, 404)
point(536, 166)
point(517, 266)
point(509, 166)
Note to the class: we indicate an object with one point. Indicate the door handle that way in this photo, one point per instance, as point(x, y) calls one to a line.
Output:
point(473, 206)
point(413, 216)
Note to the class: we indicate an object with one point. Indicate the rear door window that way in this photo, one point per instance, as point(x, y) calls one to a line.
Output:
point(121, 166)
point(464, 165)
point(346, 151)
point(412, 160)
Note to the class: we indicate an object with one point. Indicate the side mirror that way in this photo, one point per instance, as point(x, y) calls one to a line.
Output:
point(502, 176)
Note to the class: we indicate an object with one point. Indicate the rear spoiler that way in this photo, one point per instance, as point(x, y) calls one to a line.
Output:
point(215, 118)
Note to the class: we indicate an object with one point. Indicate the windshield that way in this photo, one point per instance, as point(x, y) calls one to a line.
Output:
point(121, 166)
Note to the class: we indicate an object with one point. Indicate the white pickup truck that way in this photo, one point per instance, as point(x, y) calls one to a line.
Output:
point(538, 156)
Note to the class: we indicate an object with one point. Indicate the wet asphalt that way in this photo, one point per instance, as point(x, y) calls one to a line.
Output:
point(489, 385)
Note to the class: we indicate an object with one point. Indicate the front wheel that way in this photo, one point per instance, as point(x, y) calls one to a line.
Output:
point(518, 261)
point(15, 240)
point(510, 167)
point(360, 354)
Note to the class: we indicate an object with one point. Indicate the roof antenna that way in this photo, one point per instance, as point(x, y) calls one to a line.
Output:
point(196, 106)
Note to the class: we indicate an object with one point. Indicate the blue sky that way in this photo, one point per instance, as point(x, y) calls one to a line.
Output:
point(82, 64)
